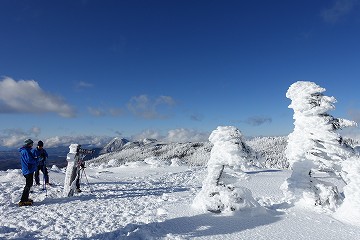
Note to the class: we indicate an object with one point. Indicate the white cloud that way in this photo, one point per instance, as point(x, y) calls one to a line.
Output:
point(174, 135)
point(83, 84)
point(338, 10)
point(36, 131)
point(355, 115)
point(96, 112)
point(148, 133)
point(258, 120)
point(186, 135)
point(144, 107)
point(94, 141)
point(197, 117)
point(26, 96)
point(15, 137)
point(99, 112)
point(116, 111)
point(353, 133)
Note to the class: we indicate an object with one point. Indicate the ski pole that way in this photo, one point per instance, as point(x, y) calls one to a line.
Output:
point(44, 184)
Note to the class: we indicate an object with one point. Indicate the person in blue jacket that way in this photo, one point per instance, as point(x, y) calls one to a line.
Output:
point(28, 167)
point(40, 153)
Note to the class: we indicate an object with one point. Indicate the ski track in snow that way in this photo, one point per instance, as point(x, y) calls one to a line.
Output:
point(145, 202)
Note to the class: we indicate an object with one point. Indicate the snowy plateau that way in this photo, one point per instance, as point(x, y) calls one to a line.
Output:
point(151, 197)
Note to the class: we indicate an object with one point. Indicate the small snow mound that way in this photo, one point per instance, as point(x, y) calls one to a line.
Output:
point(226, 199)
point(156, 162)
point(161, 212)
point(13, 171)
point(113, 163)
point(134, 164)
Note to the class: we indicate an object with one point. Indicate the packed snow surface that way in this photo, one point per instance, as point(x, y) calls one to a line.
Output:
point(142, 200)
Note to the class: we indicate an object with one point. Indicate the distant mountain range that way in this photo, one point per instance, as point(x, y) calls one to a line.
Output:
point(120, 150)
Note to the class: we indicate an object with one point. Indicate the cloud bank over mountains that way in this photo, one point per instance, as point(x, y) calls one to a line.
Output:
point(14, 138)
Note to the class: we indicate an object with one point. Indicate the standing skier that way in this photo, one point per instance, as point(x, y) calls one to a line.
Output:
point(28, 167)
point(40, 153)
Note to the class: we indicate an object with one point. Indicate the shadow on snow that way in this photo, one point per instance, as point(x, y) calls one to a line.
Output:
point(202, 225)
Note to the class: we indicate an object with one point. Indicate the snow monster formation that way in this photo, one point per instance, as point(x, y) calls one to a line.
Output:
point(314, 146)
point(349, 211)
point(229, 156)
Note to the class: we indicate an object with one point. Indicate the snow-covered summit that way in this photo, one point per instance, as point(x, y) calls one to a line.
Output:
point(114, 145)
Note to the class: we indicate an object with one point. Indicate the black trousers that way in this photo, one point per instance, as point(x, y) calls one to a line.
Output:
point(44, 170)
point(28, 185)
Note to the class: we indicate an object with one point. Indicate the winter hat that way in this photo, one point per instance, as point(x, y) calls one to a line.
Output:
point(28, 142)
point(40, 143)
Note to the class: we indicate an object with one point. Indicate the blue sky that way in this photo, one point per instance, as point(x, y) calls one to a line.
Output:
point(169, 69)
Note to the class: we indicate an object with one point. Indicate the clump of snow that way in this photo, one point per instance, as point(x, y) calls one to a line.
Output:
point(156, 162)
point(349, 211)
point(73, 148)
point(221, 191)
point(314, 145)
point(176, 162)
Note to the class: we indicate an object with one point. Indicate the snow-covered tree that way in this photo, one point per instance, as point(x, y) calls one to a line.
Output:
point(228, 158)
point(314, 144)
point(349, 210)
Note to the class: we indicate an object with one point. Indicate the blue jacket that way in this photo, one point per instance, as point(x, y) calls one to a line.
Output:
point(41, 155)
point(28, 162)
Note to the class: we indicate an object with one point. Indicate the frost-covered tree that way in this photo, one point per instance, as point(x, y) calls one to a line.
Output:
point(314, 144)
point(228, 158)
point(349, 210)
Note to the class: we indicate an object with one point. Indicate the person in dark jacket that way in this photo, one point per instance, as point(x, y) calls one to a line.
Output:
point(28, 167)
point(40, 153)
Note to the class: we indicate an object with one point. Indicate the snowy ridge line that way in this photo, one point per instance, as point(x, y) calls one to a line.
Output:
point(120, 151)
point(190, 153)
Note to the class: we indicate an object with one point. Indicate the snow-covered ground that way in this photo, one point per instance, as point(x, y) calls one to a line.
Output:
point(153, 201)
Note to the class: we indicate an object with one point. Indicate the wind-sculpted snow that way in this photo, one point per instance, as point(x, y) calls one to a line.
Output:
point(350, 209)
point(315, 145)
point(221, 189)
